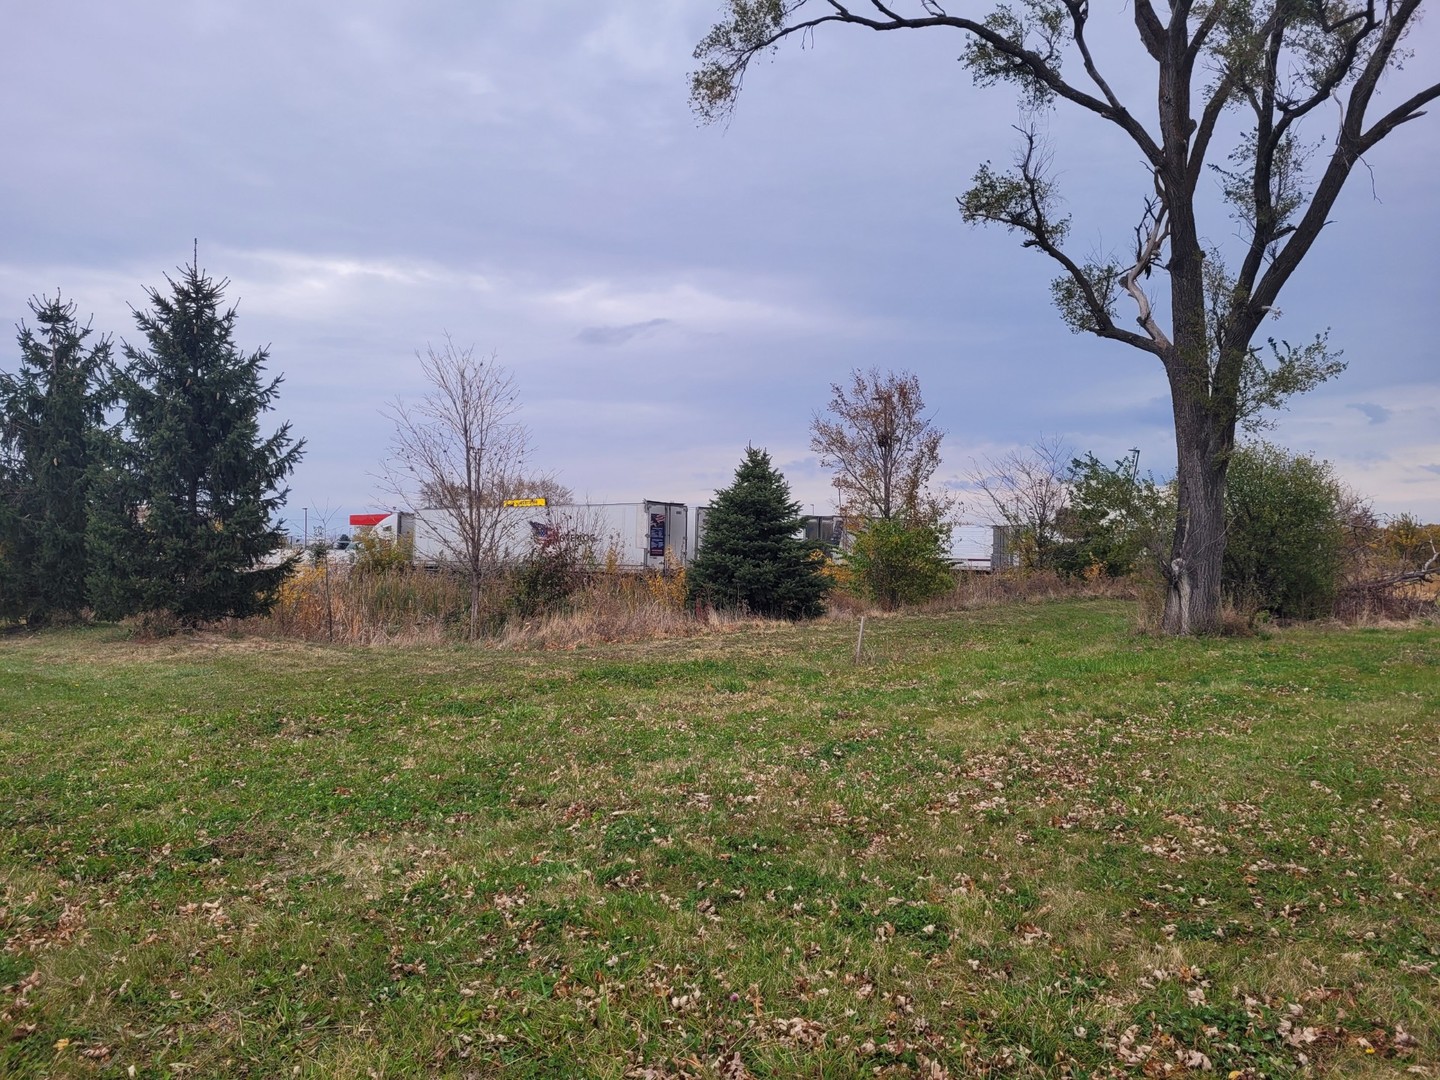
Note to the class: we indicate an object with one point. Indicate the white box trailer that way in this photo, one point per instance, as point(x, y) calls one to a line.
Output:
point(634, 536)
point(435, 538)
point(829, 531)
point(640, 535)
point(971, 547)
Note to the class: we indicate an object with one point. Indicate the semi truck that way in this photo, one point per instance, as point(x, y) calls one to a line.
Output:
point(646, 535)
point(630, 536)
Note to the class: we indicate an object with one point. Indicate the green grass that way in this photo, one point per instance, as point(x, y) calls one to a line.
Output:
point(1017, 841)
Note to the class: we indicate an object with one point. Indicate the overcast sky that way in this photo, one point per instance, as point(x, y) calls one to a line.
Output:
point(527, 177)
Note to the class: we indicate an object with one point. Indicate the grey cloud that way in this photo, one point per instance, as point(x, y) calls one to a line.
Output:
point(1432, 468)
point(1376, 414)
point(618, 335)
point(516, 173)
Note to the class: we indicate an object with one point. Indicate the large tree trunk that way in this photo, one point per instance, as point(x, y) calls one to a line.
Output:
point(1202, 444)
point(1204, 436)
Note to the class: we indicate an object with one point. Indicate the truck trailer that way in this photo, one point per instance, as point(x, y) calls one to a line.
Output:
point(649, 535)
point(629, 536)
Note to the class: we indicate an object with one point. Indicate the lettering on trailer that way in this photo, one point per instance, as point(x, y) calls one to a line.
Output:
point(657, 534)
point(527, 502)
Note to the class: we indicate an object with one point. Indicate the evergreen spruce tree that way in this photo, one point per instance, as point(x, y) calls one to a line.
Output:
point(751, 558)
point(186, 511)
point(51, 411)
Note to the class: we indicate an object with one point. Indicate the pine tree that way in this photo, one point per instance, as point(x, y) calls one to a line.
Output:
point(51, 411)
point(186, 511)
point(751, 558)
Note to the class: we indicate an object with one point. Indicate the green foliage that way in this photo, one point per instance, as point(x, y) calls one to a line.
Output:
point(725, 52)
point(1114, 520)
point(1040, 29)
point(51, 411)
point(375, 555)
point(185, 512)
point(1285, 532)
point(1074, 300)
point(751, 559)
point(894, 562)
point(1264, 386)
point(1293, 370)
point(1018, 199)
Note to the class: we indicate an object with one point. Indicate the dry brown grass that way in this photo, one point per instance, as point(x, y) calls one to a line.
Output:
point(614, 608)
point(413, 607)
point(335, 604)
point(419, 608)
point(975, 590)
point(598, 621)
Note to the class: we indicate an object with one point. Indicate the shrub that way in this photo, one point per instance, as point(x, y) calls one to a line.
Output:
point(546, 579)
point(376, 555)
point(1392, 570)
point(1285, 536)
point(896, 563)
point(1115, 520)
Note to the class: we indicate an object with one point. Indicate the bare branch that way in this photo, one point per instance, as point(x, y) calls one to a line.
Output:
point(1079, 13)
point(460, 450)
point(1150, 237)
point(882, 447)
point(1220, 96)
point(1152, 33)
point(1350, 142)
point(1401, 114)
point(757, 28)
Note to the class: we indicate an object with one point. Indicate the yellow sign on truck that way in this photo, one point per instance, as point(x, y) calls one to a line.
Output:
point(526, 502)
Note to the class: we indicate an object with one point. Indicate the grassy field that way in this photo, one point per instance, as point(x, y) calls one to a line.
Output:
point(1016, 841)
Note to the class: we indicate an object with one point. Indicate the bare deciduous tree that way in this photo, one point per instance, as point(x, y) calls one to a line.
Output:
point(882, 447)
point(460, 449)
point(1027, 491)
point(1278, 65)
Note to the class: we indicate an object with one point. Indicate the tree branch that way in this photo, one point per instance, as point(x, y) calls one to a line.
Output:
point(1350, 143)
point(1205, 130)
point(713, 89)
point(1152, 33)
point(1401, 114)
point(1079, 13)
point(1021, 202)
point(1148, 245)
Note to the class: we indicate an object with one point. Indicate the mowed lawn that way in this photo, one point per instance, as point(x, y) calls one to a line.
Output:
point(1020, 841)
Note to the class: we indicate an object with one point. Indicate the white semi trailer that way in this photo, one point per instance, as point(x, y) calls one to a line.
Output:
point(435, 539)
point(630, 536)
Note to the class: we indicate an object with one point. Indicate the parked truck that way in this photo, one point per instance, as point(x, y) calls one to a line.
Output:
point(644, 535)
point(629, 536)
point(649, 535)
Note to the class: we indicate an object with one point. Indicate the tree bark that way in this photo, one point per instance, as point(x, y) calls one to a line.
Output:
point(1204, 425)
point(1192, 598)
